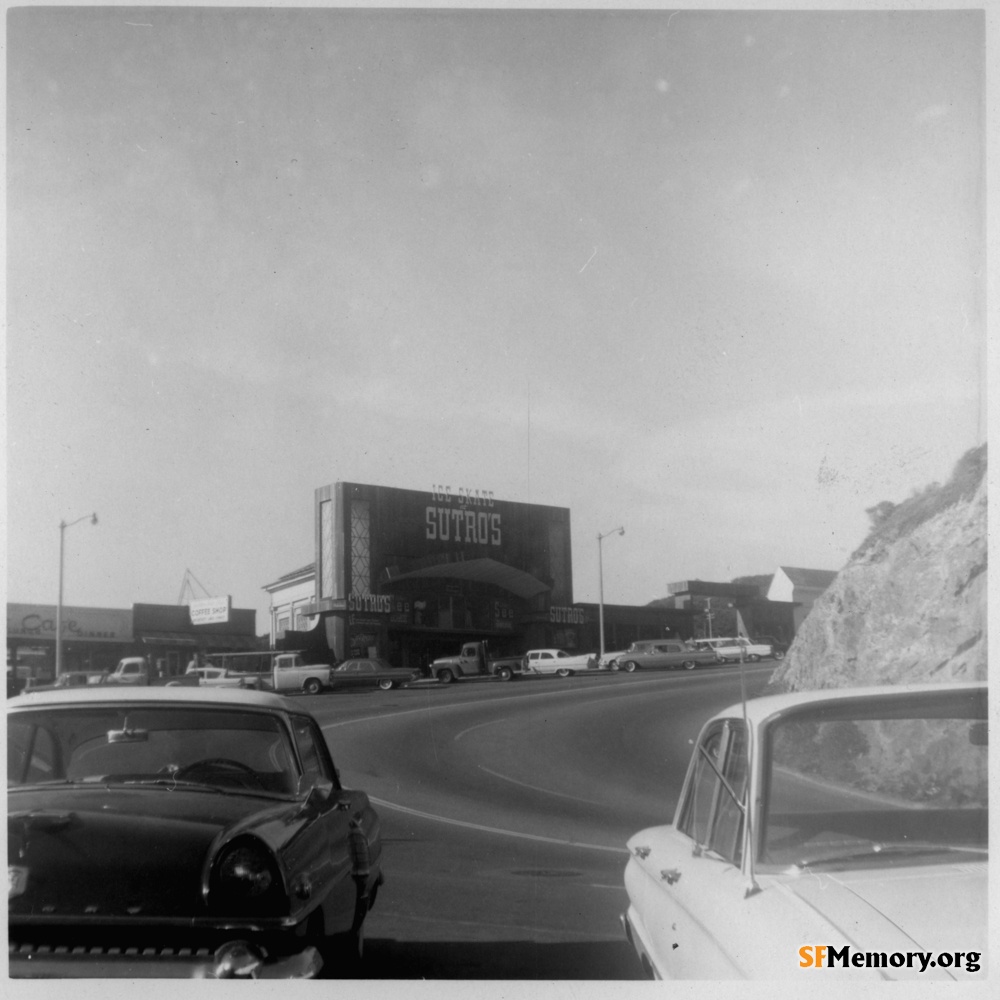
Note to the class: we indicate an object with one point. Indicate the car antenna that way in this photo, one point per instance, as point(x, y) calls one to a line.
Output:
point(752, 886)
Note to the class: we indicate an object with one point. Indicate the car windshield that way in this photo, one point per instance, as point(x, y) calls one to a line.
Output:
point(890, 786)
point(220, 749)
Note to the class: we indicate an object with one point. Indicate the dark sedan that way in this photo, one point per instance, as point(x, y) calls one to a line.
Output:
point(181, 832)
point(369, 672)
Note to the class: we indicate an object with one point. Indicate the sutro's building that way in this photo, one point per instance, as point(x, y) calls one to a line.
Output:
point(410, 574)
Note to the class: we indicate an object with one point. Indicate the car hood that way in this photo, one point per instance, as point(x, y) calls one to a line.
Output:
point(930, 908)
point(93, 852)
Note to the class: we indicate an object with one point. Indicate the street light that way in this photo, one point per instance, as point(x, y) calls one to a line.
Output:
point(62, 537)
point(600, 575)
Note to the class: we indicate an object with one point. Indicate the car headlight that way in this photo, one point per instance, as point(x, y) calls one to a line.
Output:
point(246, 880)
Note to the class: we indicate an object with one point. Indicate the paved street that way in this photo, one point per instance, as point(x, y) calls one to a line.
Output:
point(506, 808)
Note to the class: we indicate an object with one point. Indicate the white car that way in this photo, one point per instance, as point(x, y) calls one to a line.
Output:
point(732, 649)
point(609, 661)
point(217, 677)
point(841, 830)
point(559, 662)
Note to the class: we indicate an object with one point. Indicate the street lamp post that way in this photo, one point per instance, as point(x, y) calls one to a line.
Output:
point(62, 538)
point(600, 584)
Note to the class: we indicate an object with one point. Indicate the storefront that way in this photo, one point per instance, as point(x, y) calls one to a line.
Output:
point(95, 639)
point(92, 639)
point(410, 574)
point(166, 635)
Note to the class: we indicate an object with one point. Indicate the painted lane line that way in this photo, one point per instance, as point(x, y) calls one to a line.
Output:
point(535, 788)
point(494, 829)
point(480, 726)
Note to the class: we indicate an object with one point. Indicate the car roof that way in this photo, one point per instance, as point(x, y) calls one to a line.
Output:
point(761, 710)
point(126, 694)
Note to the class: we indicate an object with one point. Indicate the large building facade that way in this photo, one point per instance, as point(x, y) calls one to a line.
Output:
point(411, 574)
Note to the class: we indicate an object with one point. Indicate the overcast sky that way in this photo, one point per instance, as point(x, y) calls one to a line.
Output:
point(717, 277)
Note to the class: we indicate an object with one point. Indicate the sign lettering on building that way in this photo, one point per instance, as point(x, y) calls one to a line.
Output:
point(370, 604)
point(37, 621)
point(462, 525)
point(567, 616)
point(464, 496)
point(210, 610)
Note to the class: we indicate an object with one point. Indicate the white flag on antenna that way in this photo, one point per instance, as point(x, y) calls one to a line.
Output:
point(741, 629)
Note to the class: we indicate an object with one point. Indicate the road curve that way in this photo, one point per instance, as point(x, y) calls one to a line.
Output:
point(506, 808)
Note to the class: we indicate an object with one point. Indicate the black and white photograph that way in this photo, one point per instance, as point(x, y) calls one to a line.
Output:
point(497, 497)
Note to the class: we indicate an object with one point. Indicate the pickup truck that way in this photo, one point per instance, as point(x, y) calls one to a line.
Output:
point(559, 662)
point(474, 661)
point(139, 672)
point(290, 673)
point(664, 653)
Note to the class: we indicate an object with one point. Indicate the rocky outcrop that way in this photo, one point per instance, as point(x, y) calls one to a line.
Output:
point(910, 605)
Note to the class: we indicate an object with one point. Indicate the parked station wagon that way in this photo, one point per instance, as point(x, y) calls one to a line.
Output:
point(650, 654)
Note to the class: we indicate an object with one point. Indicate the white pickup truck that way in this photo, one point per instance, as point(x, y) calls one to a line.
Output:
point(139, 672)
point(289, 673)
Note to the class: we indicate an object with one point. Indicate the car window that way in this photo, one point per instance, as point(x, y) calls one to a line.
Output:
point(308, 740)
point(144, 744)
point(31, 754)
point(712, 815)
point(366, 667)
point(838, 784)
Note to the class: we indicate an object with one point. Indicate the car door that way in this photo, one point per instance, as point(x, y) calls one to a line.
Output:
point(346, 675)
point(694, 890)
point(322, 847)
point(366, 674)
point(545, 662)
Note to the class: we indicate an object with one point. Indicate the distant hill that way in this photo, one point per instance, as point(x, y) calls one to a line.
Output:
point(910, 605)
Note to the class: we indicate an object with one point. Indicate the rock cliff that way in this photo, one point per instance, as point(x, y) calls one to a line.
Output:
point(910, 605)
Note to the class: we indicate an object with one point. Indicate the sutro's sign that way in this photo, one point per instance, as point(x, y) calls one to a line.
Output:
point(370, 604)
point(210, 610)
point(567, 616)
point(478, 527)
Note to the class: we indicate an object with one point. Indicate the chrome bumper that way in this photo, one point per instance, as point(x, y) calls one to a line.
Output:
point(151, 963)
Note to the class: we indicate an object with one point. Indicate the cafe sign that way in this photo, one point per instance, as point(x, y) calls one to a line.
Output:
point(38, 621)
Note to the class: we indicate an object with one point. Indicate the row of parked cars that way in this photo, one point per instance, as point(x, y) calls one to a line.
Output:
point(687, 655)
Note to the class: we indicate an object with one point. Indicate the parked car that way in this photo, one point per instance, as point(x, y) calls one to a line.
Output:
point(559, 662)
point(189, 831)
point(649, 654)
point(217, 677)
point(371, 672)
point(609, 661)
point(820, 828)
point(731, 650)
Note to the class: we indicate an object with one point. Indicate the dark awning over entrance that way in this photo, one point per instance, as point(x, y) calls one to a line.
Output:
point(508, 578)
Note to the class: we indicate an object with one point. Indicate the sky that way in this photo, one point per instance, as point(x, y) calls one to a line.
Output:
point(717, 277)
